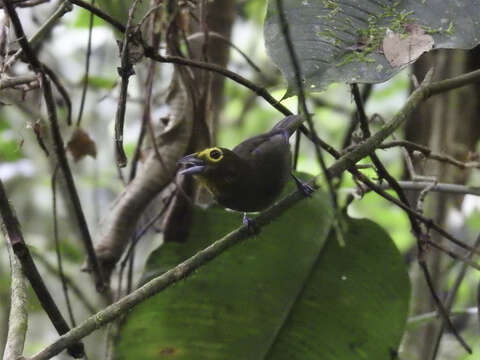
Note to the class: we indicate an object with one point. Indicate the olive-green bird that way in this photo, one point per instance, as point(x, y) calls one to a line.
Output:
point(252, 175)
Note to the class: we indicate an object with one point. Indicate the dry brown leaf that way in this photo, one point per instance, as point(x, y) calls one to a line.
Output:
point(81, 144)
point(402, 49)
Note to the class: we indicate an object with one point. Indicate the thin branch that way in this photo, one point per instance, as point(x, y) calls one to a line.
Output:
point(18, 318)
point(87, 67)
point(441, 309)
point(427, 152)
point(439, 187)
point(57, 249)
point(423, 319)
point(354, 117)
point(61, 89)
point(15, 236)
point(125, 71)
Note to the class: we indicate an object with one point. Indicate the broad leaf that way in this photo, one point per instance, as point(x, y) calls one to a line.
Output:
point(353, 40)
point(355, 303)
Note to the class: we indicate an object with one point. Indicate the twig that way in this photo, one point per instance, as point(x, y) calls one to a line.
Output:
point(441, 309)
point(423, 195)
point(61, 89)
point(87, 67)
point(354, 117)
point(439, 187)
point(38, 68)
point(15, 236)
point(125, 71)
point(427, 152)
point(18, 318)
point(465, 260)
point(57, 249)
point(423, 319)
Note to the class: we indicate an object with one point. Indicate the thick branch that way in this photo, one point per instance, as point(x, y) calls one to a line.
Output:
point(18, 318)
point(16, 81)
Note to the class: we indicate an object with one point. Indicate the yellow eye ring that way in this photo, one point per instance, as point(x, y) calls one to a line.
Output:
point(213, 155)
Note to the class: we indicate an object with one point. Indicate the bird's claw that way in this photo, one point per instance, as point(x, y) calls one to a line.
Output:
point(252, 227)
point(305, 188)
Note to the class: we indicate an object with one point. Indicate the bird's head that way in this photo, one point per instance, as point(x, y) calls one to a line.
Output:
point(206, 161)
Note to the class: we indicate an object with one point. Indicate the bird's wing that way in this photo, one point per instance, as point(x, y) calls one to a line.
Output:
point(261, 144)
point(276, 138)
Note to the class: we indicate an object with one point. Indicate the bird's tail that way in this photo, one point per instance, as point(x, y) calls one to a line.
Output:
point(289, 124)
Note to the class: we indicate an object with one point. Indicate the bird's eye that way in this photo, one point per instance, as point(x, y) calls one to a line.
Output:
point(215, 154)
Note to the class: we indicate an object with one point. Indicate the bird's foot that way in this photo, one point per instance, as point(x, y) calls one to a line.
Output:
point(252, 227)
point(305, 188)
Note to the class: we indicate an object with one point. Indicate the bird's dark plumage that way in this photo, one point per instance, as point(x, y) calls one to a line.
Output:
point(250, 176)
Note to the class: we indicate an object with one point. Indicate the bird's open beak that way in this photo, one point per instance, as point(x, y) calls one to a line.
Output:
point(193, 163)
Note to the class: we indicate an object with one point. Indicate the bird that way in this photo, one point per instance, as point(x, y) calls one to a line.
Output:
point(251, 176)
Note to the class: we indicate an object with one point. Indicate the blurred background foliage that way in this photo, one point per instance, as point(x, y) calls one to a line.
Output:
point(25, 170)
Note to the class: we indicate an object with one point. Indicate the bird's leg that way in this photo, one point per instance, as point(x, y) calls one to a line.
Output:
point(306, 189)
point(250, 224)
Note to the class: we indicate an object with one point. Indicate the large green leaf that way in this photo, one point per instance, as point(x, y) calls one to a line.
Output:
point(254, 301)
point(344, 40)
point(355, 303)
